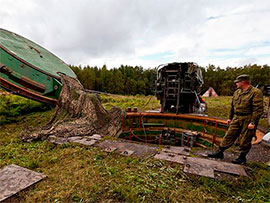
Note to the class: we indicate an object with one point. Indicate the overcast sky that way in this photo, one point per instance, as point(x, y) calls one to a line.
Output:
point(145, 32)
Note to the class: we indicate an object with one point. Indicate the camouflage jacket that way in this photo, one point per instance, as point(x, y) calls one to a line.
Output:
point(248, 102)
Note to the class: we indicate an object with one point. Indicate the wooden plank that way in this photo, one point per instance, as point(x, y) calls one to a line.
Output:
point(201, 166)
point(177, 150)
point(14, 178)
point(137, 149)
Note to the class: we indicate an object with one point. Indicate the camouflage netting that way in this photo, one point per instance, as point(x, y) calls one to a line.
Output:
point(78, 114)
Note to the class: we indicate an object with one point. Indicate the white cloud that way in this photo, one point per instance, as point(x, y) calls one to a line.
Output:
point(96, 32)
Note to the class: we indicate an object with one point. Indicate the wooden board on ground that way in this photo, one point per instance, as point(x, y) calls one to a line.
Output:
point(177, 150)
point(137, 149)
point(84, 140)
point(14, 178)
point(200, 166)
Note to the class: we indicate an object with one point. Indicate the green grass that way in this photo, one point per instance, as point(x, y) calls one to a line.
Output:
point(143, 103)
point(12, 106)
point(216, 106)
point(87, 174)
point(220, 107)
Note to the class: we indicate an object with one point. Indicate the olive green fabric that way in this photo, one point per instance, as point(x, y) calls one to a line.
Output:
point(243, 77)
point(247, 107)
point(239, 128)
point(249, 102)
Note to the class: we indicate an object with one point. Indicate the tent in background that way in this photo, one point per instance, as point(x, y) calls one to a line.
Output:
point(210, 93)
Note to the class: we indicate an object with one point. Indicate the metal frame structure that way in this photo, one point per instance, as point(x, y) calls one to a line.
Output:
point(150, 127)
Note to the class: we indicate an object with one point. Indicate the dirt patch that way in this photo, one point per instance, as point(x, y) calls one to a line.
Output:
point(78, 113)
point(259, 153)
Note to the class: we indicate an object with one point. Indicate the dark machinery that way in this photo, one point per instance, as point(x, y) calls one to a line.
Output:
point(266, 92)
point(178, 88)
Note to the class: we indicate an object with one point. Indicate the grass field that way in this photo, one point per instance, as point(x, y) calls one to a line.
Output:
point(87, 174)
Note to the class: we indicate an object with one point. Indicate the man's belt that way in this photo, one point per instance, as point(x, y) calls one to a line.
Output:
point(242, 114)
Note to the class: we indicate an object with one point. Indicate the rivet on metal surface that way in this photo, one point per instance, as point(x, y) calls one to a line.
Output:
point(127, 152)
point(110, 149)
point(187, 149)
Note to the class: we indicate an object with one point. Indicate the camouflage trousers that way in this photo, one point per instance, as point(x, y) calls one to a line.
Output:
point(239, 129)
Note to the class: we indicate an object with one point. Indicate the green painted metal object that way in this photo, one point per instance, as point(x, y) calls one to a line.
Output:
point(29, 70)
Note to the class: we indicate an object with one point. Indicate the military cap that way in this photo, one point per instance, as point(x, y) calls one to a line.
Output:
point(243, 77)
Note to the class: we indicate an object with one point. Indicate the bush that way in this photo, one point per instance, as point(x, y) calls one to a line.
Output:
point(12, 106)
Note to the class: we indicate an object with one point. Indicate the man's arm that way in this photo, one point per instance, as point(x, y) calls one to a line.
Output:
point(231, 111)
point(257, 107)
point(231, 114)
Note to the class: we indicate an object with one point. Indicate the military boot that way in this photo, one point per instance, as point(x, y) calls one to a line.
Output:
point(241, 159)
point(218, 154)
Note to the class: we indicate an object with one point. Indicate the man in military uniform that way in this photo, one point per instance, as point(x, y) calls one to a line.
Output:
point(246, 110)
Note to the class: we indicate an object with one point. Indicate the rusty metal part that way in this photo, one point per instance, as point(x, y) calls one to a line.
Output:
point(217, 122)
point(23, 80)
point(5, 70)
point(109, 149)
point(19, 90)
point(127, 152)
point(207, 137)
point(14, 178)
point(182, 116)
point(28, 83)
point(36, 50)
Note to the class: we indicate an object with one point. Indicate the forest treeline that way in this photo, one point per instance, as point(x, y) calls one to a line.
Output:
point(129, 80)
